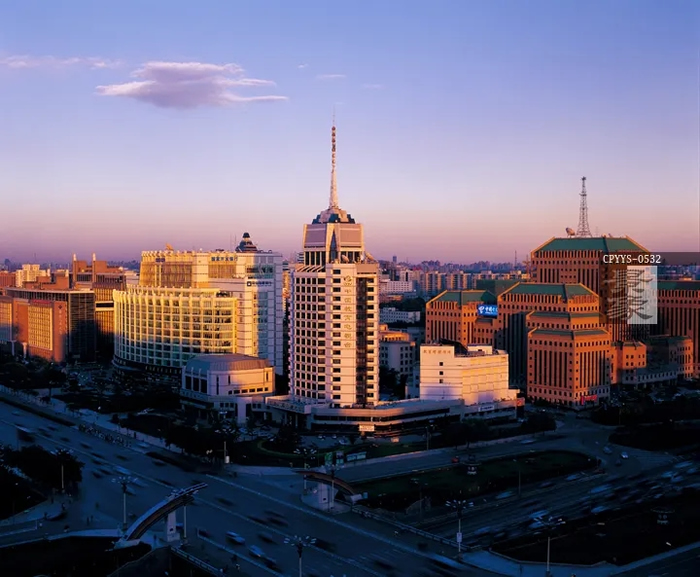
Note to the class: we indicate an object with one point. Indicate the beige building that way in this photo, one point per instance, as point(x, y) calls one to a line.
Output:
point(334, 317)
point(397, 352)
point(188, 303)
point(160, 329)
point(476, 374)
point(233, 384)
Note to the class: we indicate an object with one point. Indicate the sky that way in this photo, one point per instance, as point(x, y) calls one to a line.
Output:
point(464, 127)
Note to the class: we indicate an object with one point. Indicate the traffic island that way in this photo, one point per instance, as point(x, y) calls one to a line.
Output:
point(401, 493)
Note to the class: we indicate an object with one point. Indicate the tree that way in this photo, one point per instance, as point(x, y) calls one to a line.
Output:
point(538, 423)
point(45, 467)
point(286, 440)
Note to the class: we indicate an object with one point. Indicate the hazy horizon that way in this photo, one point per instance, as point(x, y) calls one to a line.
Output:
point(463, 128)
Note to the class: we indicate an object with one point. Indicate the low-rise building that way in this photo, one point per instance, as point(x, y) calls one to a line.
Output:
point(388, 315)
point(397, 352)
point(477, 375)
point(232, 384)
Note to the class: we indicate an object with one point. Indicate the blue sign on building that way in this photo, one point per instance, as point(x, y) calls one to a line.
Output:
point(487, 311)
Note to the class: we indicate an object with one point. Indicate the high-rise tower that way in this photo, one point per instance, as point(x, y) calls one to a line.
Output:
point(583, 228)
point(334, 317)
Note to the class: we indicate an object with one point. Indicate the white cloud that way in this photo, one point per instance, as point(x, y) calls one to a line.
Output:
point(302, 66)
point(188, 85)
point(330, 76)
point(372, 86)
point(26, 61)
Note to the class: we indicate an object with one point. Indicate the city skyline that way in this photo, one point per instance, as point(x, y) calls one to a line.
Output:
point(463, 131)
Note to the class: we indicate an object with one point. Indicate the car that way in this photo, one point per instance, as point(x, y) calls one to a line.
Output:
point(607, 450)
point(455, 459)
point(266, 538)
point(235, 538)
point(624, 455)
point(325, 545)
point(256, 551)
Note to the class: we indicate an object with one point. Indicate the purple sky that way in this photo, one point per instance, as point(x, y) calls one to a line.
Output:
point(464, 127)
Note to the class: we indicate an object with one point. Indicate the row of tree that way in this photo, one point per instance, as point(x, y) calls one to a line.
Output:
point(476, 430)
point(57, 470)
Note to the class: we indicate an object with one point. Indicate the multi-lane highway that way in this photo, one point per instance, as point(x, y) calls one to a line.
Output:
point(686, 564)
point(239, 505)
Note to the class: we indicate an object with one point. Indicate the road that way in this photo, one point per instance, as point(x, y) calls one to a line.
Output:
point(226, 505)
point(682, 565)
point(572, 434)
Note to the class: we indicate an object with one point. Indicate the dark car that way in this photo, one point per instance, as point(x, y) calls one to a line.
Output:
point(325, 545)
point(267, 538)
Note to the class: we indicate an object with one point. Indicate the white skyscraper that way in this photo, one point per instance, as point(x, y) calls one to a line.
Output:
point(334, 328)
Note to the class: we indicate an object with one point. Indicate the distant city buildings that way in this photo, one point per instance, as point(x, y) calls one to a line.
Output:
point(64, 315)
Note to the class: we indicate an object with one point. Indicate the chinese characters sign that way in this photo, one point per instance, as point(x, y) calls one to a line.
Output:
point(631, 295)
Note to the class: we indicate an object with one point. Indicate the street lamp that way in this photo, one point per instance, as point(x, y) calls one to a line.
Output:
point(551, 524)
point(459, 506)
point(124, 482)
point(299, 543)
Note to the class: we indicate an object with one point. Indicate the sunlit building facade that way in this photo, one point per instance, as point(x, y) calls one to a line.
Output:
point(160, 329)
point(201, 302)
point(334, 318)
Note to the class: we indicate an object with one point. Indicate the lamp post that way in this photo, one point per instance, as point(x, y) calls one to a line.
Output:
point(124, 482)
point(299, 543)
point(551, 524)
point(459, 506)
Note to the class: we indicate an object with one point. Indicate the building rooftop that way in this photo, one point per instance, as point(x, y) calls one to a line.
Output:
point(606, 244)
point(678, 285)
point(572, 334)
point(228, 362)
point(566, 291)
point(563, 315)
point(465, 296)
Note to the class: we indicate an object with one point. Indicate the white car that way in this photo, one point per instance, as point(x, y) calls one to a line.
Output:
point(624, 455)
point(236, 538)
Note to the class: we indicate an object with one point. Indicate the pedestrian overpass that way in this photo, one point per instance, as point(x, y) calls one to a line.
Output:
point(327, 479)
point(167, 508)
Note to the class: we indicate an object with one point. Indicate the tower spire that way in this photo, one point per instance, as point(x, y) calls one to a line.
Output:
point(334, 185)
point(583, 228)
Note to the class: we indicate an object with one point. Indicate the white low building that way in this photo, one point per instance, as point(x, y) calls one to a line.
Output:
point(234, 384)
point(390, 315)
point(477, 375)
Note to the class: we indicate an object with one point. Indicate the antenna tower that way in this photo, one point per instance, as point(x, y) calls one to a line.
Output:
point(583, 228)
point(334, 186)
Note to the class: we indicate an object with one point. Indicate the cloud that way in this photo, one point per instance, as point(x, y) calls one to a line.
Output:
point(302, 66)
point(330, 76)
point(187, 85)
point(26, 61)
point(372, 86)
